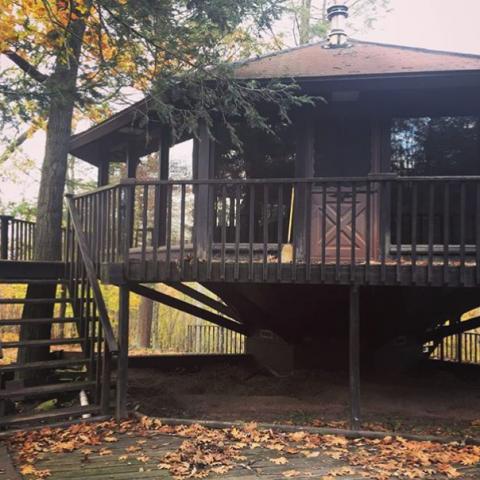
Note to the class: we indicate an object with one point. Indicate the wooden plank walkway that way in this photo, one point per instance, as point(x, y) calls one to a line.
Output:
point(138, 455)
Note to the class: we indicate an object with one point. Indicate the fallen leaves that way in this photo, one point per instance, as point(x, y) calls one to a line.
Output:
point(204, 451)
point(279, 460)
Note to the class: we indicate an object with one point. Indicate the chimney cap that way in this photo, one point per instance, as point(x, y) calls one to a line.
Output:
point(334, 10)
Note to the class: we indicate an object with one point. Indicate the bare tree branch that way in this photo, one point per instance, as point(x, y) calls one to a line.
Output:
point(16, 142)
point(26, 66)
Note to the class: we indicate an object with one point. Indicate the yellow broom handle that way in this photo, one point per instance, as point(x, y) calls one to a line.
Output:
point(290, 220)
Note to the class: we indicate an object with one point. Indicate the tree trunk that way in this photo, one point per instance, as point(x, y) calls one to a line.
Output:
point(304, 22)
point(145, 315)
point(48, 233)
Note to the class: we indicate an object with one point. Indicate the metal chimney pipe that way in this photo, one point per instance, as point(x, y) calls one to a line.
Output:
point(337, 16)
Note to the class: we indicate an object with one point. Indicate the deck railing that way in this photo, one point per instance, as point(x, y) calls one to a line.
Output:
point(375, 222)
point(16, 238)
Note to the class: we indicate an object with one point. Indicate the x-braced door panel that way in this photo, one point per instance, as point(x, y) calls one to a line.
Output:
point(338, 224)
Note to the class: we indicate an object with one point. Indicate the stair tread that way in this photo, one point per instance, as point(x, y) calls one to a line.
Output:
point(58, 413)
point(45, 364)
point(46, 389)
point(34, 300)
point(46, 281)
point(50, 341)
point(21, 321)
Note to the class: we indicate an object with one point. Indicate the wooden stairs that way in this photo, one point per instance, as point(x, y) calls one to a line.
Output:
point(35, 392)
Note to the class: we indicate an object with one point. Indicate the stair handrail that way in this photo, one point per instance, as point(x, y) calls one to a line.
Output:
point(91, 276)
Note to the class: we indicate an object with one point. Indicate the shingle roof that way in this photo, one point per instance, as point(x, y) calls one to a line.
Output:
point(362, 58)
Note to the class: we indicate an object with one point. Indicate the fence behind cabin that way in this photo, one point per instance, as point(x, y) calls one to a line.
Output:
point(213, 339)
point(16, 238)
point(463, 348)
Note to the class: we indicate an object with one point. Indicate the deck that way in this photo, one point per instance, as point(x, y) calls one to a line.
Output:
point(379, 231)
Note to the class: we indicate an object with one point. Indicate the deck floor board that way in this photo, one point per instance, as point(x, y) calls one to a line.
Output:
point(113, 466)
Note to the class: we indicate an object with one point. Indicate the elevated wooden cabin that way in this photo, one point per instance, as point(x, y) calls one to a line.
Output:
point(357, 224)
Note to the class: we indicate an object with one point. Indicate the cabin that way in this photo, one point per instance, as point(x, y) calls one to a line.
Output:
point(350, 234)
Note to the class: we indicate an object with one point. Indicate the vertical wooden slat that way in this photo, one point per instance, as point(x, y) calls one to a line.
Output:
point(223, 226)
point(279, 231)
point(237, 220)
point(463, 215)
point(169, 230)
point(414, 223)
point(265, 230)
point(196, 216)
point(477, 232)
point(182, 231)
point(295, 191)
point(399, 229)
point(446, 231)
point(431, 226)
point(156, 228)
point(385, 202)
point(251, 230)
point(368, 228)
point(308, 231)
point(338, 228)
point(144, 230)
point(354, 232)
point(211, 221)
point(323, 245)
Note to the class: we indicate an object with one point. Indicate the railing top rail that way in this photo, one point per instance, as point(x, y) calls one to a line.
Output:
point(92, 277)
point(380, 178)
point(104, 188)
point(247, 181)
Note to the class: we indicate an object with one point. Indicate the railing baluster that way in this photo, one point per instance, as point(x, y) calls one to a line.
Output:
point(431, 226)
point(462, 231)
point(251, 230)
point(414, 231)
point(143, 255)
point(399, 230)
point(194, 234)
point(265, 231)
point(368, 228)
point(323, 245)
point(477, 231)
point(338, 229)
point(279, 231)
point(353, 233)
point(182, 231)
point(237, 220)
point(446, 232)
point(223, 227)
point(308, 232)
point(169, 230)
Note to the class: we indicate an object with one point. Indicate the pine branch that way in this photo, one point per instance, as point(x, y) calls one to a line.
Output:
point(26, 66)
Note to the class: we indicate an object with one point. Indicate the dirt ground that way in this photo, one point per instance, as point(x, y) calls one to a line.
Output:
point(434, 399)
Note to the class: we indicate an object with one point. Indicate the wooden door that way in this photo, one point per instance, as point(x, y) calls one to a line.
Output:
point(342, 149)
point(333, 228)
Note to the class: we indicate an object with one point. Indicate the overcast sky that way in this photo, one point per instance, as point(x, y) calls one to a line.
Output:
point(437, 24)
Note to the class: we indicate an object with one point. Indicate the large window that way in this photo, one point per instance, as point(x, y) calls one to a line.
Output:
point(434, 146)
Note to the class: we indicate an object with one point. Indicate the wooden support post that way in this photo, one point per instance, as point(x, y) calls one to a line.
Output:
point(4, 222)
point(103, 173)
point(303, 169)
point(163, 172)
point(122, 368)
point(354, 357)
point(203, 163)
point(132, 161)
